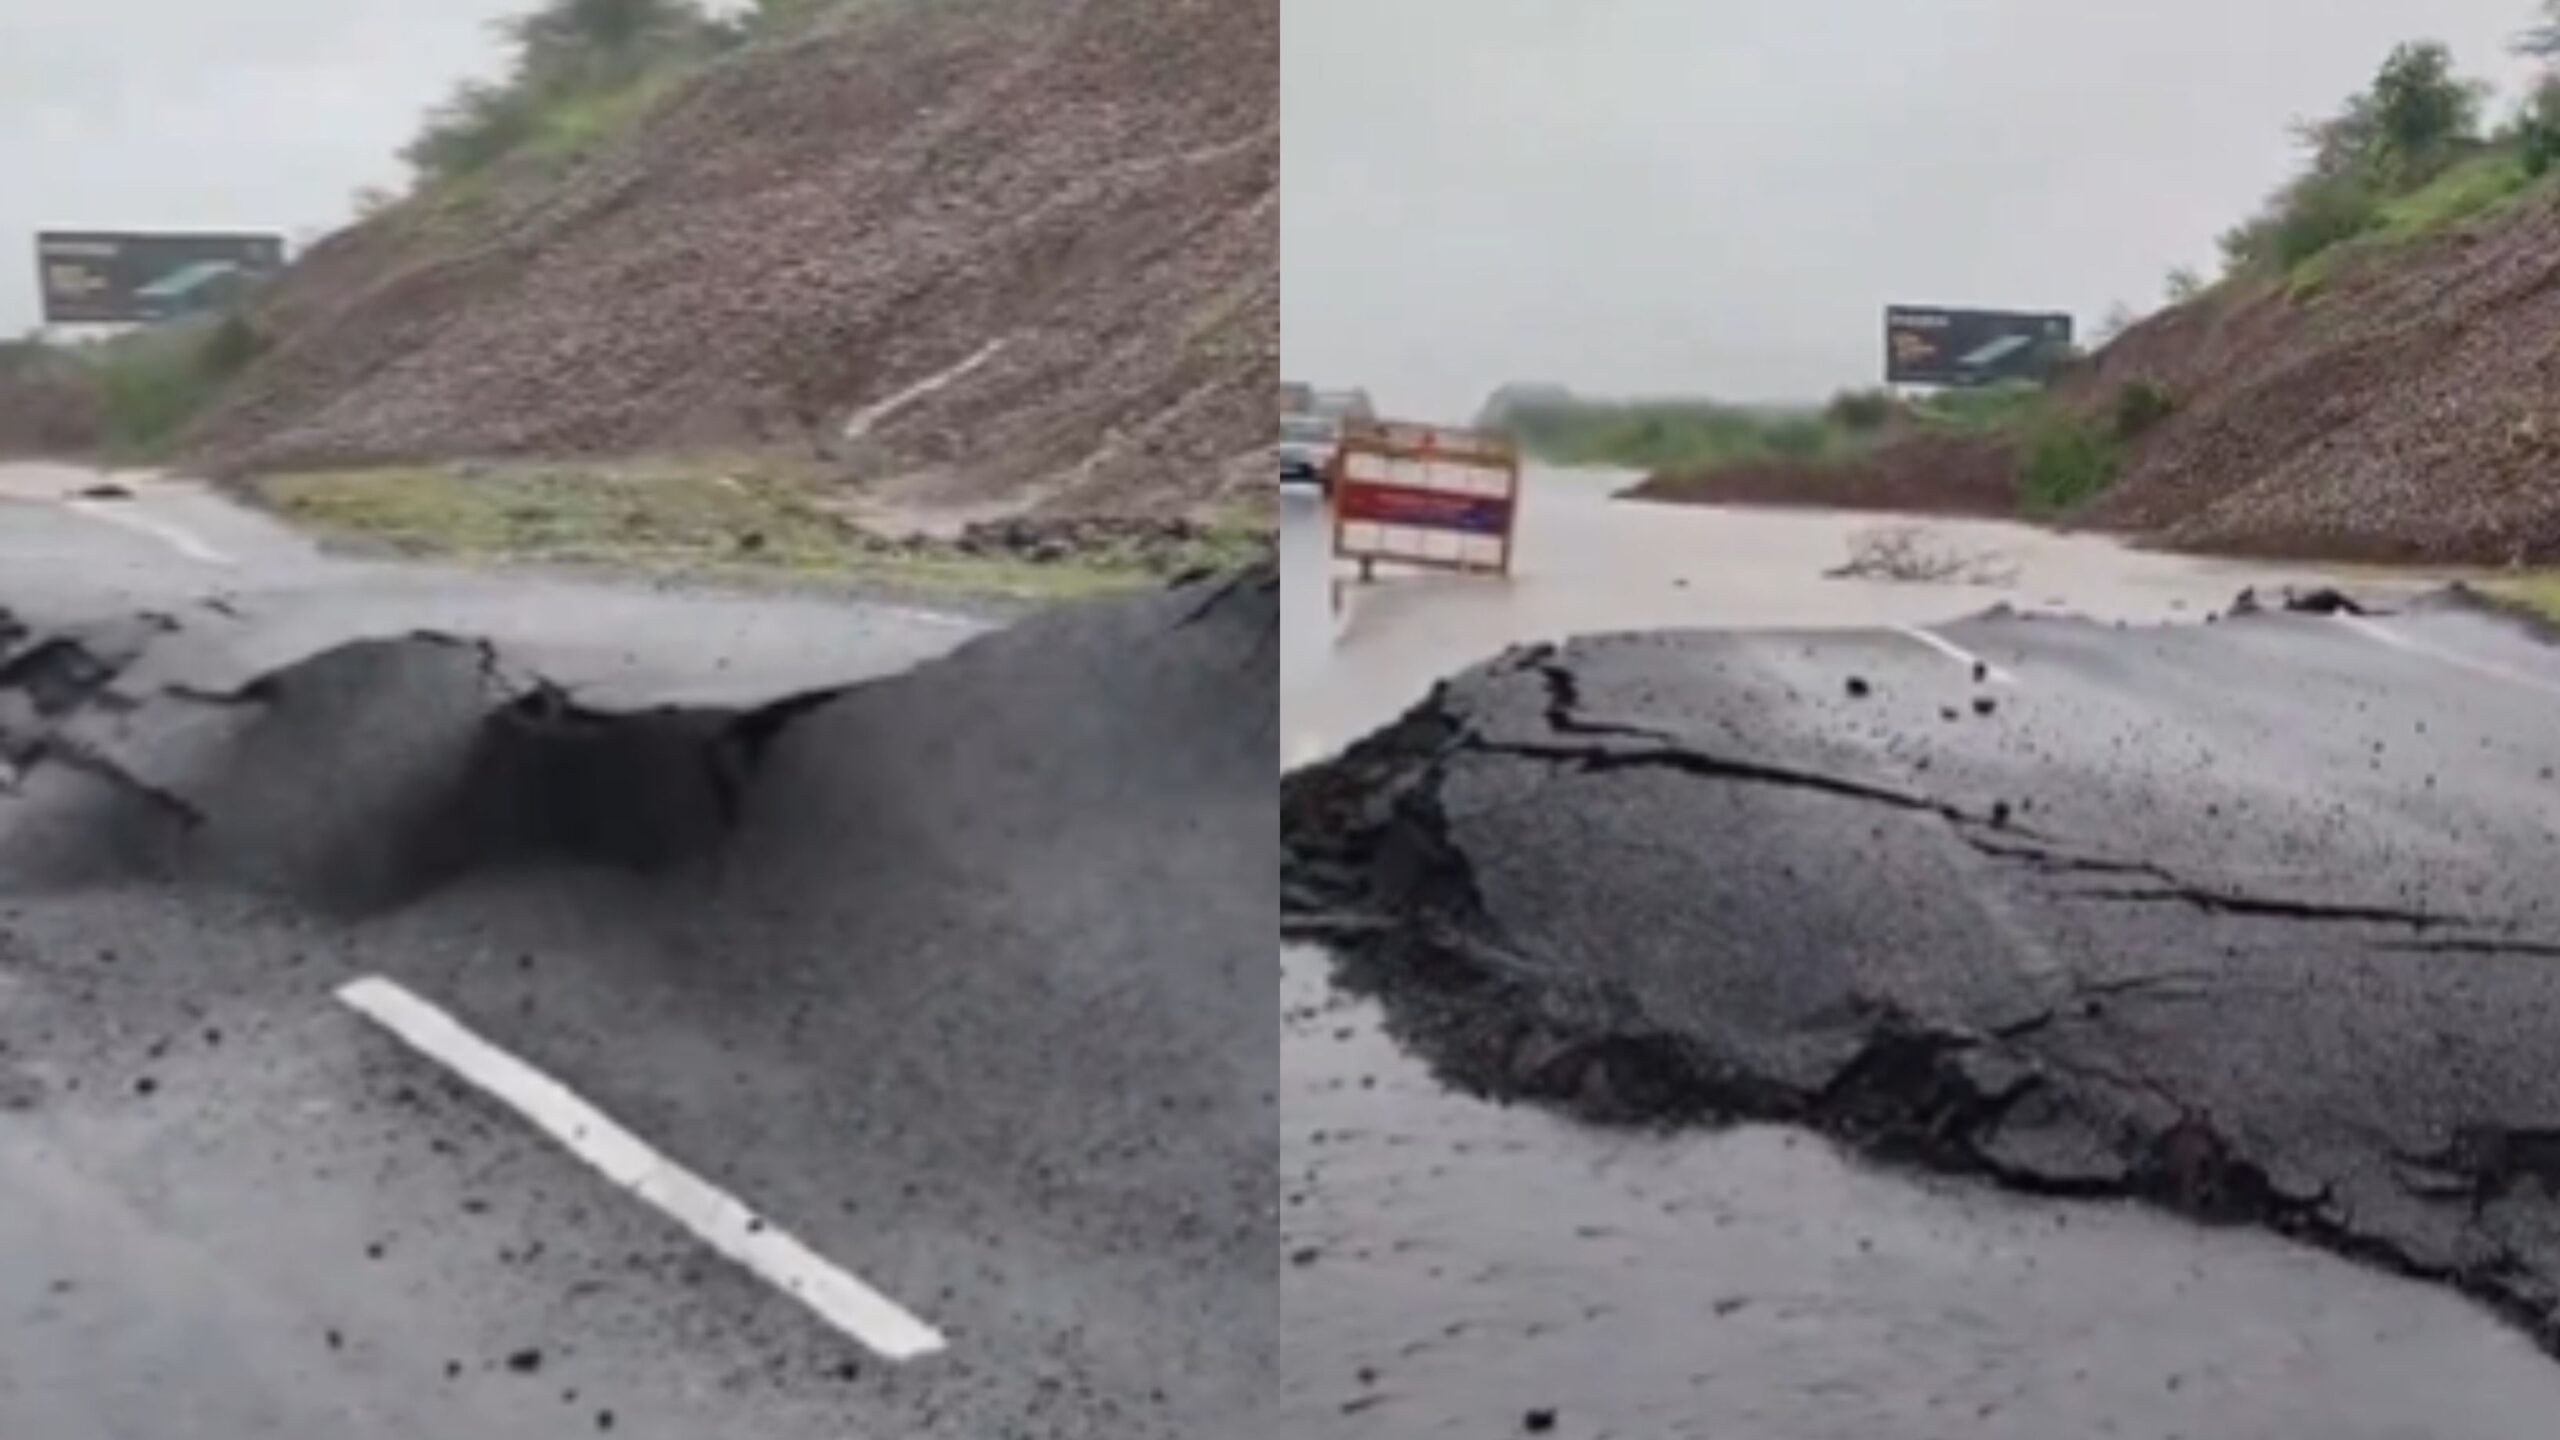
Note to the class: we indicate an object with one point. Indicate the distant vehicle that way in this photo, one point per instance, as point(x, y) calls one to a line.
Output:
point(1306, 448)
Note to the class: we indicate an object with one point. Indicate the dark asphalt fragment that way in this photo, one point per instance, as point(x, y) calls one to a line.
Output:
point(1713, 905)
point(2323, 601)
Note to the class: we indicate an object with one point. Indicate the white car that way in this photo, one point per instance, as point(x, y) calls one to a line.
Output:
point(1306, 448)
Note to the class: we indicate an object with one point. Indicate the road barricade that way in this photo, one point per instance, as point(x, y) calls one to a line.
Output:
point(1425, 495)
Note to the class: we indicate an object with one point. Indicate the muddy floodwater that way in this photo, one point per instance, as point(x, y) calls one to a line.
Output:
point(1587, 563)
point(1458, 1268)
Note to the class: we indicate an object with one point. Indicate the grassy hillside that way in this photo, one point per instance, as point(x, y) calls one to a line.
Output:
point(2237, 379)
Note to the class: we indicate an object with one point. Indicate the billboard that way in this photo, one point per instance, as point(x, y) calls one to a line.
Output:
point(1422, 495)
point(102, 277)
point(1929, 345)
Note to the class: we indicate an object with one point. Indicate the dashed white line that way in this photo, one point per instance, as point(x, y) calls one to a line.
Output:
point(1957, 653)
point(2397, 641)
point(115, 513)
point(714, 1218)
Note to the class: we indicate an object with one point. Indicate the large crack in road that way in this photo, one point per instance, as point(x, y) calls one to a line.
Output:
point(463, 765)
point(959, 973)
point(2246, 922)
point(439, 756)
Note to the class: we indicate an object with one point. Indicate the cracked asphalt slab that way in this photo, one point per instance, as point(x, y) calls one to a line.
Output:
point(2244, 920)
point(1458, 1264)
point(952, 966)
point(2159, 913)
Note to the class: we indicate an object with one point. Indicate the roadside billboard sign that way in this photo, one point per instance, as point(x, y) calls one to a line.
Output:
point(106, 277)
point(1445, 499)
point(1932, 345)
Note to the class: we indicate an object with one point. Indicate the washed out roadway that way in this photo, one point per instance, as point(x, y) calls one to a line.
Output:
point(933, 946)
point(2258, 939)
point(2252, 919)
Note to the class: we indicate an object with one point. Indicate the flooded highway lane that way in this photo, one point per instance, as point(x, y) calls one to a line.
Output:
point(1589, 564)
point(1639, 902)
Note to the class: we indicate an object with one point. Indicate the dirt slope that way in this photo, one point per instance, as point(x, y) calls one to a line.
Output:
point(2408, 410)
point(1079, 196)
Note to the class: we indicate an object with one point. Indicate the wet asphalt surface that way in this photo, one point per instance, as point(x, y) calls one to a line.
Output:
point(937, 946)
point(2244, 920)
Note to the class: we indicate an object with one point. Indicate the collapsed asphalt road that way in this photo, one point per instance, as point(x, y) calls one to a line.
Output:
point(2249, 920)
point(958, 976)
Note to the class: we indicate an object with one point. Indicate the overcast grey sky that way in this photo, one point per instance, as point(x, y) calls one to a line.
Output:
point(212, 114)
point(1719, 196)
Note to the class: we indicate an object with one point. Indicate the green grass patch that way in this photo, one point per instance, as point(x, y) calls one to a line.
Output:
point(575, 126)
point(728, 522)
point(2067, 459)
point(2539, 593)
point(151, 383)
point(2473, 187)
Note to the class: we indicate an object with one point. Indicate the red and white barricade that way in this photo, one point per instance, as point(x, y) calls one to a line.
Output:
point(1424, 495)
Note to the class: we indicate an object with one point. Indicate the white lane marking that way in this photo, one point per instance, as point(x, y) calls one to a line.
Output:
point(914, 615)
point(715, 1219)
point(117, 513)
point(1957, 653)
point(2384, 634)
